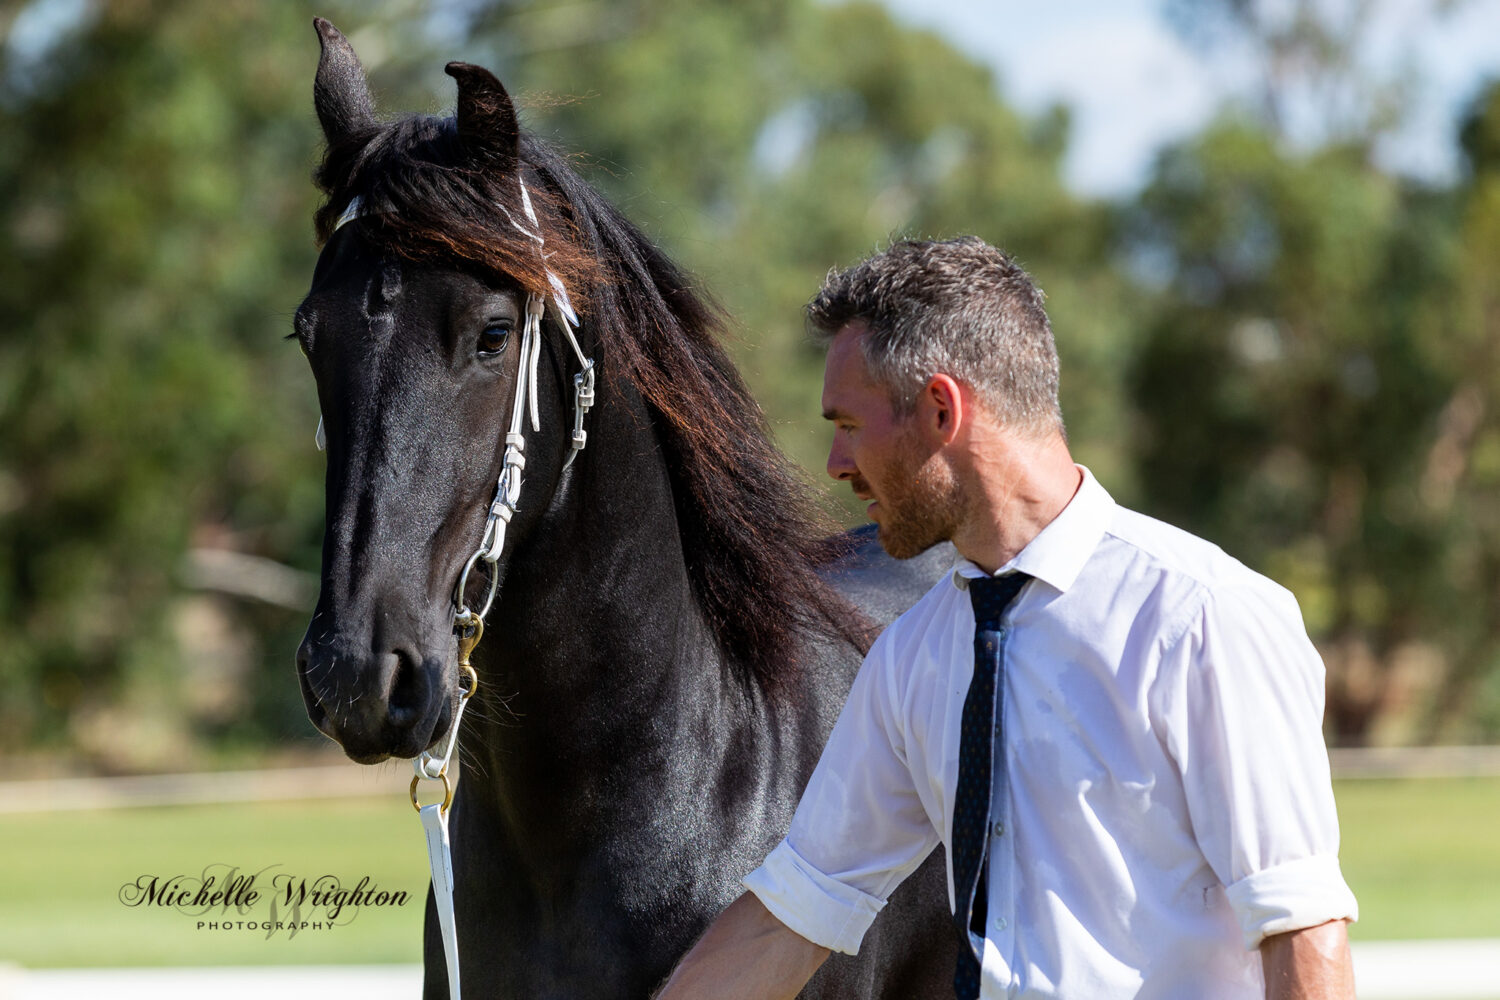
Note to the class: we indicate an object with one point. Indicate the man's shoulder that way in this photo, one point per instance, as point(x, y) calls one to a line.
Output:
point(1184, 566)
point(913, 625)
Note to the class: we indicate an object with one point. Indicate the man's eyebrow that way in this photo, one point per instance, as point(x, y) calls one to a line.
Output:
point(833, 414)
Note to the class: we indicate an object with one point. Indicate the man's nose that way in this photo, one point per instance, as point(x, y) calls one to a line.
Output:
point(840, 465)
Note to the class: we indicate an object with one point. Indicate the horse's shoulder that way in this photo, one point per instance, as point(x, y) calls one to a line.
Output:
point(878, 585)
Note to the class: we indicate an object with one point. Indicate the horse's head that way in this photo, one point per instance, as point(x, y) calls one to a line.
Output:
point(415, 326)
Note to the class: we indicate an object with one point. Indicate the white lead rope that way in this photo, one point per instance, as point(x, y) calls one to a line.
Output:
point(440, 860)
point(507, 500)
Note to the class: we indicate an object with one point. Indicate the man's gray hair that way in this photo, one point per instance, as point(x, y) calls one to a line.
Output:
point(957, 307)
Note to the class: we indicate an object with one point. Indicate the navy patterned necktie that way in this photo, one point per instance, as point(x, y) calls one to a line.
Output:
point(978, 738)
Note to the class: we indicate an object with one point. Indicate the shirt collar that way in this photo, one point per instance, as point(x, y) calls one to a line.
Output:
point(1057, 554)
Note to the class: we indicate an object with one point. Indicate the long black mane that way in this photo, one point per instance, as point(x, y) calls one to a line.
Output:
point(751, 527)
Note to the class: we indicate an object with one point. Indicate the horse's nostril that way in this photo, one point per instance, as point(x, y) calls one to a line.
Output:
point(376, 705)
point(409, 690)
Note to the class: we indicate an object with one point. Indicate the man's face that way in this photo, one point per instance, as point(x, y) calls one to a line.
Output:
point(916, 501)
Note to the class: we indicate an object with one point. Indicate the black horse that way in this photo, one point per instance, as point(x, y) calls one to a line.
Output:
point(674, 632)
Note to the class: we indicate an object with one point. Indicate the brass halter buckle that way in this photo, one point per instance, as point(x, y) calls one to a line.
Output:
point(469, 634)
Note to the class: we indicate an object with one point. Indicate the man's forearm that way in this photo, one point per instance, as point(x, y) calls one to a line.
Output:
point(746, 954)
point(1310, 964)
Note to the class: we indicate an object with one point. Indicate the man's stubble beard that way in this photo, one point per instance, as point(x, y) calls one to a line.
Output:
point(923, 505)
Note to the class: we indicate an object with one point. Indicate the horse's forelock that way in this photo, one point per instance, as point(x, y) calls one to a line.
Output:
point(424, 201)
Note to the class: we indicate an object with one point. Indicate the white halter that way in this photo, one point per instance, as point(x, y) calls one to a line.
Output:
point(508, 489)
point(506, 503)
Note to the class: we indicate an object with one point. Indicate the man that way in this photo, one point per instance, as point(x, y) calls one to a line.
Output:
point(1113, 726)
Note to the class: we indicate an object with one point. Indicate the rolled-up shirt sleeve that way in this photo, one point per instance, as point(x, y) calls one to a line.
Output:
point(861, 826)
point(1241, 714)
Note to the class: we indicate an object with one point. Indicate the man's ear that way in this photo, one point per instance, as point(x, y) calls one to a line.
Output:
point(941, 409)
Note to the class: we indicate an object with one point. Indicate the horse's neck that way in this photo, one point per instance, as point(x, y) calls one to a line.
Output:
point(599, 665)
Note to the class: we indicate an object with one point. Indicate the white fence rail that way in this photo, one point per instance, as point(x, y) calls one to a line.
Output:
point(353, 781)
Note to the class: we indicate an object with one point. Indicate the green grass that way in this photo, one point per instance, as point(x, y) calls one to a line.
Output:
point(1418, 854)
point(61, 873)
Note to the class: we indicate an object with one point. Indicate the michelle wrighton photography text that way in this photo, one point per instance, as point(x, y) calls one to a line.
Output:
point(224, 897)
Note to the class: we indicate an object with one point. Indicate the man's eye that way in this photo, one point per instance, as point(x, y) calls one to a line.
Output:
point(494, 338)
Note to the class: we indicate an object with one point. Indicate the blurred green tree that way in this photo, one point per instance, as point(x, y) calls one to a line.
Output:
point(1310, 390)
point(1461, 478)
point(154, 207)
point(1288, 392)
point(1277, 345)
point(153, 213)
point(766, 142)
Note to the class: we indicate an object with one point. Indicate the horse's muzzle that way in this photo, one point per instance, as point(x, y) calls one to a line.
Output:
point(374, 705)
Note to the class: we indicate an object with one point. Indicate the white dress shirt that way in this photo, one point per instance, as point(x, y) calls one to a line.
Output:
point(1162, 791)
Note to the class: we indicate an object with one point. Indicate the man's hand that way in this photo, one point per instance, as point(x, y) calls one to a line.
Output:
point(746, 954)
point(1310, 964)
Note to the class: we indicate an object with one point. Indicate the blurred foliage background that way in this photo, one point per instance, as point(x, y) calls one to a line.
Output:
point(1275, 344)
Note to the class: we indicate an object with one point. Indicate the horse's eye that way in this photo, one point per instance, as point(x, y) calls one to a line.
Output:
point(494, 338)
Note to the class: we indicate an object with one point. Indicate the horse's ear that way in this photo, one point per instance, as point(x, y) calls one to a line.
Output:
point(487, 127)
point(340, 92)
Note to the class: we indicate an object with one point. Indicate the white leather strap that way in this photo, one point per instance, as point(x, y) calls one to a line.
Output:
point(351, 211)
point(432, 766)
point(439, 858)
point(507, 500)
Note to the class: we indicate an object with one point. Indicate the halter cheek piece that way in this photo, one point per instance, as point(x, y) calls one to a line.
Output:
point(513, 465)
point(468, 624)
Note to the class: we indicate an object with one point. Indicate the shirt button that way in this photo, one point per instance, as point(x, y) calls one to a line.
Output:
point(999, 829)
point(1000, 923)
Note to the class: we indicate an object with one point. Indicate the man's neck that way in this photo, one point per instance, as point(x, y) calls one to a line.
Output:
point(1017, 484)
